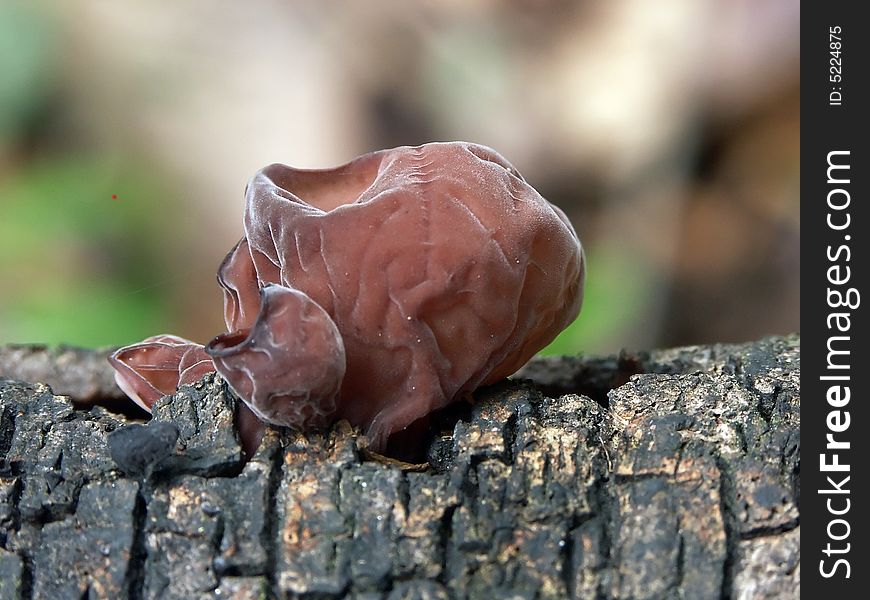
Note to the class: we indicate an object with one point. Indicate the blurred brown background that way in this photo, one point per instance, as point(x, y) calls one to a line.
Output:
point(668, 131)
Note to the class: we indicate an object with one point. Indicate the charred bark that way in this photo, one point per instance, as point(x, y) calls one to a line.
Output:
point(670, 474)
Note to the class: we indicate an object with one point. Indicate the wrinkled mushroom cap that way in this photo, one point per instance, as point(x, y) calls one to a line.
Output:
point(440, 267)
point(289, 365)
point(156, 366)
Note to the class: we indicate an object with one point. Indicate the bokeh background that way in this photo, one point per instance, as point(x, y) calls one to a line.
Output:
point(668, 131)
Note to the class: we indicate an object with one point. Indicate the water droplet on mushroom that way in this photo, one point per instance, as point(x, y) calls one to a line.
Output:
point(409, 318)
point(419, 340)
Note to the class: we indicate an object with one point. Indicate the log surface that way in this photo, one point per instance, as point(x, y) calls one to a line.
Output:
point(670, 474)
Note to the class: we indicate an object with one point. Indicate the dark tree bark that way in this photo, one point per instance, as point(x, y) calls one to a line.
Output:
point(672, 474)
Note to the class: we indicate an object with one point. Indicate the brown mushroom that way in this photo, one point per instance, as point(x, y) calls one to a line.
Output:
point(386, 288)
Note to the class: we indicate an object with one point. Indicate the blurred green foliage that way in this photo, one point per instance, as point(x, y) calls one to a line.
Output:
point(616, 286)
point(74, 263)
point(27, 65)
point(70, 262)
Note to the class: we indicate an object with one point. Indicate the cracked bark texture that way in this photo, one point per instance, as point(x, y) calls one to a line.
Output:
point(669, 474)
